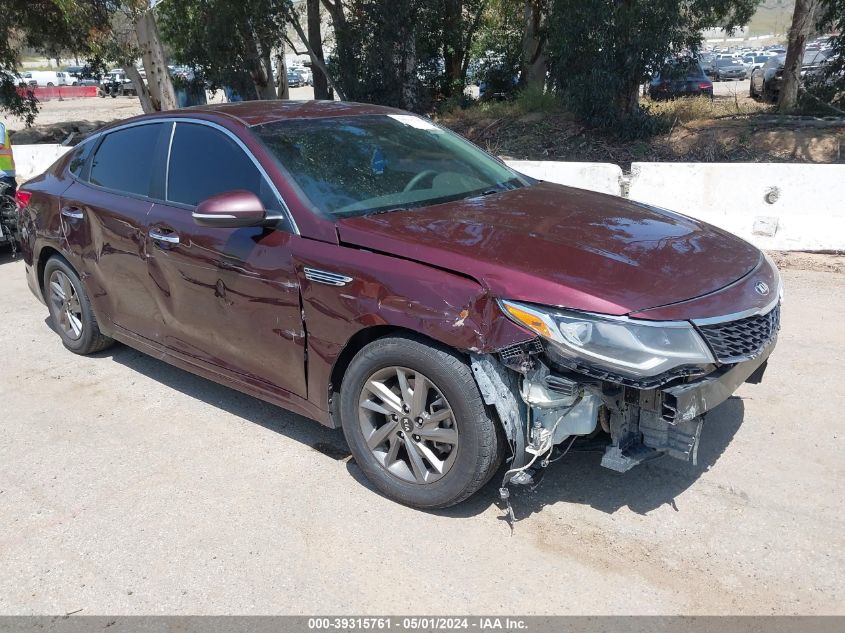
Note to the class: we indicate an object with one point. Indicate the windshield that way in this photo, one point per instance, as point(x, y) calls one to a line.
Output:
point(726, 62)
point(369, 163)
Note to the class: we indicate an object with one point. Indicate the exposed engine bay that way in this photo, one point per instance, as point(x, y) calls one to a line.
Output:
point(544, 405)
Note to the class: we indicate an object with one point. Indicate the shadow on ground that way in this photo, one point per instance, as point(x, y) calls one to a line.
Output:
point(578, 478)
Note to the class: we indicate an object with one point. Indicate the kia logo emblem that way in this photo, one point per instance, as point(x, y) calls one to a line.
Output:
point(762, 288)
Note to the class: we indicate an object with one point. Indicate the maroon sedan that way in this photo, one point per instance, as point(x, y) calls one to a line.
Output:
point(368, 269)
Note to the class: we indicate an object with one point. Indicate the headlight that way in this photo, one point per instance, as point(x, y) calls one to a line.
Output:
point(629, 347)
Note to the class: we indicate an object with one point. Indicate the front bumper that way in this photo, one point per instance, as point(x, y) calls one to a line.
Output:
point(669, 421)
point(685, 402)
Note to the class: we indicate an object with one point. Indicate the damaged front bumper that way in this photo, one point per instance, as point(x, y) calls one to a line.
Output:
point(669, 420)
point(541, 405)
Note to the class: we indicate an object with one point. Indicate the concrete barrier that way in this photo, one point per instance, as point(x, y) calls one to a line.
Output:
point(781, 206)
point(31, 160)
point(45, 93)
point(601, 177)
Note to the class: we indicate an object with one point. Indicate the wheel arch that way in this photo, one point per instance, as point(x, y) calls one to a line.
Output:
point(47, 253)
point(359, 341)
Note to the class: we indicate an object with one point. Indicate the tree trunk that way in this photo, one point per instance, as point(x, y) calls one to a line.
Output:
point(260, 69)
point(345, 50)
point(408, 69)
point(315, 39)
point(628, 101)
point(534, 45)
point(803, 24)
point(453, 45)
point(140, 87)
point(315, 61)
point(282, 68)
point(162, 95)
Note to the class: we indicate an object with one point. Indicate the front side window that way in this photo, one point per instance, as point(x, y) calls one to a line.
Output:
point(363, 164)
point(205, 162)
point(124, 160)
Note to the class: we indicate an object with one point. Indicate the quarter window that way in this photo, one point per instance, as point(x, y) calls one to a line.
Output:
point(205, 162)
point(79, 158)
point(124, 159)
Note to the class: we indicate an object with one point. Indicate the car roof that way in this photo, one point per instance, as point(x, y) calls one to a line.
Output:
point(259, 112)
point(251, 113)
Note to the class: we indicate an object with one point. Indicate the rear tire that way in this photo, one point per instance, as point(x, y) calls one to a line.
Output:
point(70, 309)
point(431, 453)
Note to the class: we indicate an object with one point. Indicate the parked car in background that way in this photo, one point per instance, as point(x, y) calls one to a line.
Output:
point(116, 83)
point(754, 61)
point(708, 64)
point(294, 78)
point(46, 78)
point(680, 78)
point(304, 74)
point(766, 81)
point(394, 280)
point(23, 80)
point(82, 76)
point(726, 68)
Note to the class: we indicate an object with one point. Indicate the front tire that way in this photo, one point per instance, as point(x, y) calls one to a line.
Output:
point(416, 423)
point(70, 309)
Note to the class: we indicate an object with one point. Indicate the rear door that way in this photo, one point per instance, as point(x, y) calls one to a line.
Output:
point(104, 222)
point(228, 297)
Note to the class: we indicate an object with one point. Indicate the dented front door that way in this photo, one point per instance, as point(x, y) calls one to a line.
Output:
point(228, 297)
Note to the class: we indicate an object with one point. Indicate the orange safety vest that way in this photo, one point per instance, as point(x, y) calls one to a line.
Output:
point(7, 160)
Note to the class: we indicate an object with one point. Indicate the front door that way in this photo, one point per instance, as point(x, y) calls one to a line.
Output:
point(227, 297)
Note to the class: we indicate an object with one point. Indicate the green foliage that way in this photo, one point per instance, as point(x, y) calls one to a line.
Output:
point(405, 53)
point(222, 39)
point(497, 50)
point(50, 26)
point(828, 89)
point(535, 99)
point(601, 51)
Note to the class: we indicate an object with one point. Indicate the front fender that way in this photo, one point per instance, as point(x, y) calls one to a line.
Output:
point(382, 290)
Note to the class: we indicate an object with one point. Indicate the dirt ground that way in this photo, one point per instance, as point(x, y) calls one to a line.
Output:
point(128, 486)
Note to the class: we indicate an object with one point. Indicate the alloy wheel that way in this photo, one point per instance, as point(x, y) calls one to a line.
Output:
point(408, 425)
point(66, 307)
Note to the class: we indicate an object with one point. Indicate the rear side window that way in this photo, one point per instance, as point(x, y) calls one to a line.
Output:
point(205, 162)
point(124, 159)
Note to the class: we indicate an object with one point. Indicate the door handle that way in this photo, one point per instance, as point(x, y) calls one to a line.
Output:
point(74, 213)
point(170, 238)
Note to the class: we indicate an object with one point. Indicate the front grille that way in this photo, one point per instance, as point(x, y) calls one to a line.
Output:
point(735, 341)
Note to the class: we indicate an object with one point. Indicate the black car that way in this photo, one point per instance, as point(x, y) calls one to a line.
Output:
point(294, 79)
point(766, 81)
point(728, 69)
point(680, 78)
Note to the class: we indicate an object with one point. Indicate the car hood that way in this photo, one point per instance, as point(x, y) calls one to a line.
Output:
point(561, 246)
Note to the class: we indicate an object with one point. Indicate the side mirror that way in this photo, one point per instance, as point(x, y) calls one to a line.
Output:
point(231, 209)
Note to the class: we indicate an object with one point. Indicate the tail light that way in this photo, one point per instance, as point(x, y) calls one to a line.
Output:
point(22, 198)
point(705, 85)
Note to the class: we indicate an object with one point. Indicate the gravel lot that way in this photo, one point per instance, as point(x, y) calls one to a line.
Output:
point(731, 88)
point(130, 487)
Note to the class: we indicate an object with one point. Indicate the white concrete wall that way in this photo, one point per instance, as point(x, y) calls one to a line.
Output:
point(31, 160)
point(601, 177)
point(782, 206)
